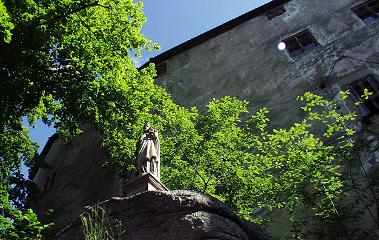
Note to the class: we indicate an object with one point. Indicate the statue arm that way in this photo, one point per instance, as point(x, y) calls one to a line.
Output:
point(138, 144)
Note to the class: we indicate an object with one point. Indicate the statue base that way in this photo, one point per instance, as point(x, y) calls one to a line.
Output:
point(146, 182)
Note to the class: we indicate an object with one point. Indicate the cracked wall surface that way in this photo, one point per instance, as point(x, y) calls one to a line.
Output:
point(244, 62)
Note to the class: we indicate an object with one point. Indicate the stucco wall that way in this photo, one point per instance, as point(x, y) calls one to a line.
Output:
point(245, 62)
point(80, 180)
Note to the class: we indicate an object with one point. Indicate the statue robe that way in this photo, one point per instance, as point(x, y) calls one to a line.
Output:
point(147, 155)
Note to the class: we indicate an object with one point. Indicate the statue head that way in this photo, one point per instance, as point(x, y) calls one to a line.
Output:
point(146, 127)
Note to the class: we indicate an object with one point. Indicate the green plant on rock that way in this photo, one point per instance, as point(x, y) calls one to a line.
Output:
point(97, 226)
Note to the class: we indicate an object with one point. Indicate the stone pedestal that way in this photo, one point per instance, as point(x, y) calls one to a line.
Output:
point(146, 182)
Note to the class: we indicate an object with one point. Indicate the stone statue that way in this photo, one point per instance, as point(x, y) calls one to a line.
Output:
point(147, 152)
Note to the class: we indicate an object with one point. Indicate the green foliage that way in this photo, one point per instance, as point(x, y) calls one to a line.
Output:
point(250, 167)
point(15, 225)
point(365, 96)
point(63, 62)
point(67, 62)
point(5, 25)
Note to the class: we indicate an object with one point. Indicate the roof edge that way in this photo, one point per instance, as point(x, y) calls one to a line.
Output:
point(215, 32)
point(34, 169)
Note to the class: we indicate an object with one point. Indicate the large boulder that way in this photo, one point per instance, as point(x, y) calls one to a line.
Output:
point(172, 215)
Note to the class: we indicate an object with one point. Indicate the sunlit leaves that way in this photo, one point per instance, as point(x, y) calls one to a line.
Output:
point(249, 167)
point(67, 64)
point(16, 225)
point(5, 24)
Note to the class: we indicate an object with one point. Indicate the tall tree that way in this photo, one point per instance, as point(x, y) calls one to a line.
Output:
point(64, 62)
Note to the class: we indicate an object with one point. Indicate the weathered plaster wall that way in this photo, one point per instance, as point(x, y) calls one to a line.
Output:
point(79, 180)
point(245, 62)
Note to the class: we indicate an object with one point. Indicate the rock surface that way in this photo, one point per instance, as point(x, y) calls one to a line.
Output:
point(172, 215)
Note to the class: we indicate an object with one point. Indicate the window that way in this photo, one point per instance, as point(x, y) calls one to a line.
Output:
point(369, 106)
point(47, 184)
point(368, 11)
point(161, 69)
point(52, 181)
point(275, 12)
point(300, 43)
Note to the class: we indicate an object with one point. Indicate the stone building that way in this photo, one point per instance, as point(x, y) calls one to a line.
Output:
point(72, 178)
point(330, 45)
point(241, 58)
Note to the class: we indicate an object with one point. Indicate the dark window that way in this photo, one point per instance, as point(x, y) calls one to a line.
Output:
point(161, 69)
point(52, 181)
point(47, 184)
point(369, 106)
point(300, 43)
point(367, 11)
point(275, 12)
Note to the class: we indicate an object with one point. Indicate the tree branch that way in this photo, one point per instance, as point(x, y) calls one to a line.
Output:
point(63, 16)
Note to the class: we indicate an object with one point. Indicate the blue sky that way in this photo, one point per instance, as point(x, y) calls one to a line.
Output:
point(171, 22)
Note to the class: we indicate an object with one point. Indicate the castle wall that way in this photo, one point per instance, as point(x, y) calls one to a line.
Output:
point(244, 62)
point(73, 178)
